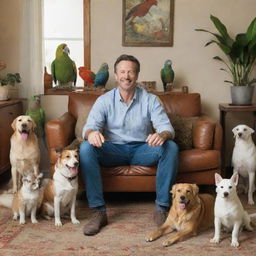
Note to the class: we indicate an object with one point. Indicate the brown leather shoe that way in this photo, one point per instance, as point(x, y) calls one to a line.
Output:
point(98, 220)
point(160, 217)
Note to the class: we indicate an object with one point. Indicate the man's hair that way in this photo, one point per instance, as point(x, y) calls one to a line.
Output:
point(127, 58)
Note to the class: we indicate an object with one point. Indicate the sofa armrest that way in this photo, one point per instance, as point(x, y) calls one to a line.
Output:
point(207, 134)
point(60, 133)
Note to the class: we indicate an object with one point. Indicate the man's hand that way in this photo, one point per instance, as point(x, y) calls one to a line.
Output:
point(96, 139)
point(155, 139)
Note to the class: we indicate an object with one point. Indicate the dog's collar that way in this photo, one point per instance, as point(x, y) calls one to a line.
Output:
point(69, 178)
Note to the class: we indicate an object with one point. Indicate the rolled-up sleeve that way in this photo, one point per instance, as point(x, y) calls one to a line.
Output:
point(96, 118)
point(159, 117)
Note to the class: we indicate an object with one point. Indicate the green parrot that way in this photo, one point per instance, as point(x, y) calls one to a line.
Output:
point(167, 73)
point(63, 68)
point(37, 114)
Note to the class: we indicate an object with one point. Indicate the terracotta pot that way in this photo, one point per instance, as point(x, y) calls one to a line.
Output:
point(4, 92)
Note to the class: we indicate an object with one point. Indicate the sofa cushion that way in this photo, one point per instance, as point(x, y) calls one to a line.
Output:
point(81, 120)
point(183, 127)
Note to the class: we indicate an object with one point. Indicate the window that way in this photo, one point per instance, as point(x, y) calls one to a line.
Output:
point(67, 21)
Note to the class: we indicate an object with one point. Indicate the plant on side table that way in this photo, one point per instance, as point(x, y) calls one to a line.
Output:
point(241, 54)
point(10, 79)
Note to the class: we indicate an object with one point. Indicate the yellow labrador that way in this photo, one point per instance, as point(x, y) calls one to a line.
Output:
point(24, 153)
point(189, 214)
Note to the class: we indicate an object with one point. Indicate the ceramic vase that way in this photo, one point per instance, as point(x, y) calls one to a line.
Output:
point(242, 95)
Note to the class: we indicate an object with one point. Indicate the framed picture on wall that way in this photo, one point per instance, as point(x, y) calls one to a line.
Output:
point(148, 22)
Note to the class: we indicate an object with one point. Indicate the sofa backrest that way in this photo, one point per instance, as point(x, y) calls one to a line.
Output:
point(183, 104)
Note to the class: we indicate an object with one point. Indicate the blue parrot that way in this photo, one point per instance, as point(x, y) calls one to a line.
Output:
point(167, 74)
point(102, 75)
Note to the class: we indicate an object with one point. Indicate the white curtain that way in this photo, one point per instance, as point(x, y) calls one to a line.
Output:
point(31, 68)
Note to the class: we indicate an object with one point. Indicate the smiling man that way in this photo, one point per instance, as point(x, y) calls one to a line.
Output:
point(127, 126)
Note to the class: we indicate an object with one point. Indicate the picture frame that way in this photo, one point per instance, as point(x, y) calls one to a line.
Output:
point(147, 23)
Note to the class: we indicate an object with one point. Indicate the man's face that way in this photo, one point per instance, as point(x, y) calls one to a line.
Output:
point(126, 74)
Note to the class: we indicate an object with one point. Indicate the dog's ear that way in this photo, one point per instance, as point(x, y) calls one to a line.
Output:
point(218, 178)
point(250, 130)
point(13, 125)
point(173, 191)
point(58, 150)
point(234, 131)
point(235, 178)
point(195, 189)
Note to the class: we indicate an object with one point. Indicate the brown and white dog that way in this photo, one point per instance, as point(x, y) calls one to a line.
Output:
point(60, 193)
point(24, 149)
point(190, 213)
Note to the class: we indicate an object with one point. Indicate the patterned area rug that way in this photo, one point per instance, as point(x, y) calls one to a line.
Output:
point(130, 219)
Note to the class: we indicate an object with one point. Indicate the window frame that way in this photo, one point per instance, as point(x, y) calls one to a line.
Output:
point(87, 48)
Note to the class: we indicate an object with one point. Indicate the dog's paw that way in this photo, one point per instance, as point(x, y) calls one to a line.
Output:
point(34, 221)
point(234, 243)
point(251, 202)
point(58, 223)
point(75, 221)
point(149, 238)
point(167, 243)
point(215, 240)
point(22, 222)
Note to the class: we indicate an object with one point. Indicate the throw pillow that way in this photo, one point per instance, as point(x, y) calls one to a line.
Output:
point(183, 130)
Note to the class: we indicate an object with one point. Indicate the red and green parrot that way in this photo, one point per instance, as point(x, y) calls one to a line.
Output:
point(87, 75)
point(63, 68)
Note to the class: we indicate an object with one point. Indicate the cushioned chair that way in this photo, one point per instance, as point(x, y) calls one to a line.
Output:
point(198, 136)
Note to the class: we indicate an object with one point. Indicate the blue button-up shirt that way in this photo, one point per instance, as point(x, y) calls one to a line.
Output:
point(121, 123)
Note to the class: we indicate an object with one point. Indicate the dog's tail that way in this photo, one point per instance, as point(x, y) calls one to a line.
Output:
point(6, 200)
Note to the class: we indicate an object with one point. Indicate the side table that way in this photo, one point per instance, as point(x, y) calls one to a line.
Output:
point(224, 109)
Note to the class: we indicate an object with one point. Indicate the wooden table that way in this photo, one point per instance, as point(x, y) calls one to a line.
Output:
point(224, 109)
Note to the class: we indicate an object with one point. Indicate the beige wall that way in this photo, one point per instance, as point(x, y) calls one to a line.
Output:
point(192, 62)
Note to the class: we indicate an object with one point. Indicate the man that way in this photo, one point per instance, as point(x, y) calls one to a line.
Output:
point(119, 132)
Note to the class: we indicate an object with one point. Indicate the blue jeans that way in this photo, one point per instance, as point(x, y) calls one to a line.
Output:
point(165, 157)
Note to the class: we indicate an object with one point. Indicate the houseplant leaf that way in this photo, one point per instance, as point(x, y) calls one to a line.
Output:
point(222, 30)
point(251, 31)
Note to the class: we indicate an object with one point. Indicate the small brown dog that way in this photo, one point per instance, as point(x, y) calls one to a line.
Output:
point(189, 214)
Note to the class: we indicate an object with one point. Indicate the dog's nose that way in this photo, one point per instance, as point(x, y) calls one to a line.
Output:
point(225, 194)
point(76, 164)
point(240, 134)
point(24, 125)
point(182, 198)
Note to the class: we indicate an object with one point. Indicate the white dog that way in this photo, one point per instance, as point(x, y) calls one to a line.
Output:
point(60, 193)
point(244, 157)
point(228, 210)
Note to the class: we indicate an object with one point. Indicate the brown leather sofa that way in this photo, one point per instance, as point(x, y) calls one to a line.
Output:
point(196, 165)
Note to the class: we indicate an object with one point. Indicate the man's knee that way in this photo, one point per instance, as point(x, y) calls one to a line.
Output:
point(86, 149)
point(172, 147)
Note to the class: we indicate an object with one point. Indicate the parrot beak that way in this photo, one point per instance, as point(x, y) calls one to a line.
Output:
point(66, 50)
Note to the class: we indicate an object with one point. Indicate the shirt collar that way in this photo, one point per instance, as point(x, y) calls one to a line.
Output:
point(134, 96)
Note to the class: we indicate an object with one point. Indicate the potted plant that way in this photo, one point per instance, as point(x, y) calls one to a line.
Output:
point(241, 55)
point(6, 81)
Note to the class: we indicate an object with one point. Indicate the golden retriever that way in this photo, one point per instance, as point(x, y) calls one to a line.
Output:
point(190, 213)
point(24, 153)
